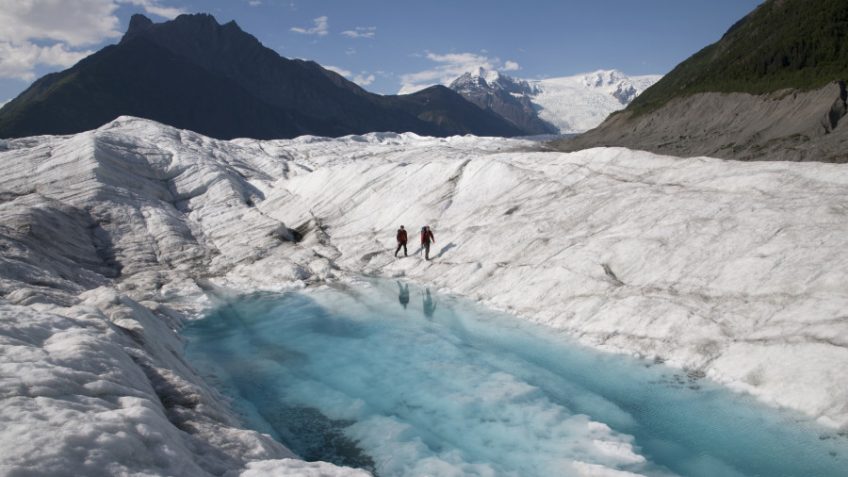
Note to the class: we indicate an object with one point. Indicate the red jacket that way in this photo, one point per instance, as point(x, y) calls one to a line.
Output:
point(401, 236)
point(427, 236)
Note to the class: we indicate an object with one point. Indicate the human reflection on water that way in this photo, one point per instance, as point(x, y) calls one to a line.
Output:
point(403, 294)
point(429, 304)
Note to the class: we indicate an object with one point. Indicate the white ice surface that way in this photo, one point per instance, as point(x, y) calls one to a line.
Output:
point(108, 239)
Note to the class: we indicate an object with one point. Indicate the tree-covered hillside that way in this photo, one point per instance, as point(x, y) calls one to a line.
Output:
point(799, 44)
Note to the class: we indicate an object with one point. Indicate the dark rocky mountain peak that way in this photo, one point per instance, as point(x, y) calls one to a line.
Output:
point(490, 80)
point(138, 23)
point(194, 73)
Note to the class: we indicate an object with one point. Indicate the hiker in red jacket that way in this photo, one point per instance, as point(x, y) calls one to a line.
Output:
point(401, 240)
point(426, 238)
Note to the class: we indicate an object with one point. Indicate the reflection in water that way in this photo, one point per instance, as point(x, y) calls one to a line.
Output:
point(340, 374)
point(429, 304)
point(403, 294)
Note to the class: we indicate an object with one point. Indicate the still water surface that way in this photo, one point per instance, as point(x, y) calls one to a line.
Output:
point(395, 379)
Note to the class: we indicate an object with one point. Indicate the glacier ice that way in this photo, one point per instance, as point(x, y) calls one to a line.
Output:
point(110, 239)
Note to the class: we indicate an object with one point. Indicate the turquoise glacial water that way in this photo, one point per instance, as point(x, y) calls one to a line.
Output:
point(395, 379)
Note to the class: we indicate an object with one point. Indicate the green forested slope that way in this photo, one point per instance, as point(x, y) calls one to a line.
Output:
point(799, 44)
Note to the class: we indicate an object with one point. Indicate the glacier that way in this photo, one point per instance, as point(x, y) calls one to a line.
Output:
point(569, 104)
point(111, 239)
point(579, 103)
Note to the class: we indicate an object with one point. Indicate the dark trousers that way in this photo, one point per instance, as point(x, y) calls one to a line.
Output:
point(401, 244)
point(426, 246)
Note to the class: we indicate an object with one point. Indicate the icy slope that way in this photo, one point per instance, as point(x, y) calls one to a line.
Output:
point(728, 269)
point(109, 238)
point(105, 238)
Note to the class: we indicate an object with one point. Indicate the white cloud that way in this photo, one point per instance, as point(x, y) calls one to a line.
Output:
point(254, 3)
point(336, 69)
point(75, 23)
point(363, 79)
point(361, 32)
point(54, 33)
point(18, 60)
point(320, 28)
point(510, 66)
point(153, 7)
point(450, 66)
point(51, 32)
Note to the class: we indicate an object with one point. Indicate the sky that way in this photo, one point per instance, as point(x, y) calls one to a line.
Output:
point(391, 46)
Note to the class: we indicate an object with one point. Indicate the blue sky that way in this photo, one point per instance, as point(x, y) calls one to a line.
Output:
point(392, 45)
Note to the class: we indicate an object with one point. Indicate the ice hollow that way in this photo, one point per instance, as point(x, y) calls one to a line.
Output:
point(352, 376)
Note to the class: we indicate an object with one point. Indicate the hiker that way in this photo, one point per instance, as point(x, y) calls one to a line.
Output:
point(401, 240)
point(426, 238)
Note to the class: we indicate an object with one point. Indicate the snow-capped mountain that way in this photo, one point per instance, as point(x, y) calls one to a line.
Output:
point(570, 104)
point(505, 96)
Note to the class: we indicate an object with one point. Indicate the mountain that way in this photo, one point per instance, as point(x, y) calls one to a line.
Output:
point(194, 73)
point(771, 88)
point(556, 105)
point(505, 96)
point(782, 44)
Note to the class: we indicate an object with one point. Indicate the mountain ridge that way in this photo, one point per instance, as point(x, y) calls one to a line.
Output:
point(194, 73)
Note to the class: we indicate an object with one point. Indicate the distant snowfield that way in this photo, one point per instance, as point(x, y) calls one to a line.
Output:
point(573, 104)
point(108, 239)
point(579, 103)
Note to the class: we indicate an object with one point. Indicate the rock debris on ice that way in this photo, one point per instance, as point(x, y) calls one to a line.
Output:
point(109, 239)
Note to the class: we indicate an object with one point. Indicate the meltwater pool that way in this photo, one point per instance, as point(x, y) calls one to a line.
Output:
point(395, 379)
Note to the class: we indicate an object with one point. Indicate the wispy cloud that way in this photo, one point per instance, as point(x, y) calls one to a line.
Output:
point(336, 69)
point(361, 32)
point(364, 78)
point(448, 67)
point(254, 3)
point(320, 28)
point(154, 7)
